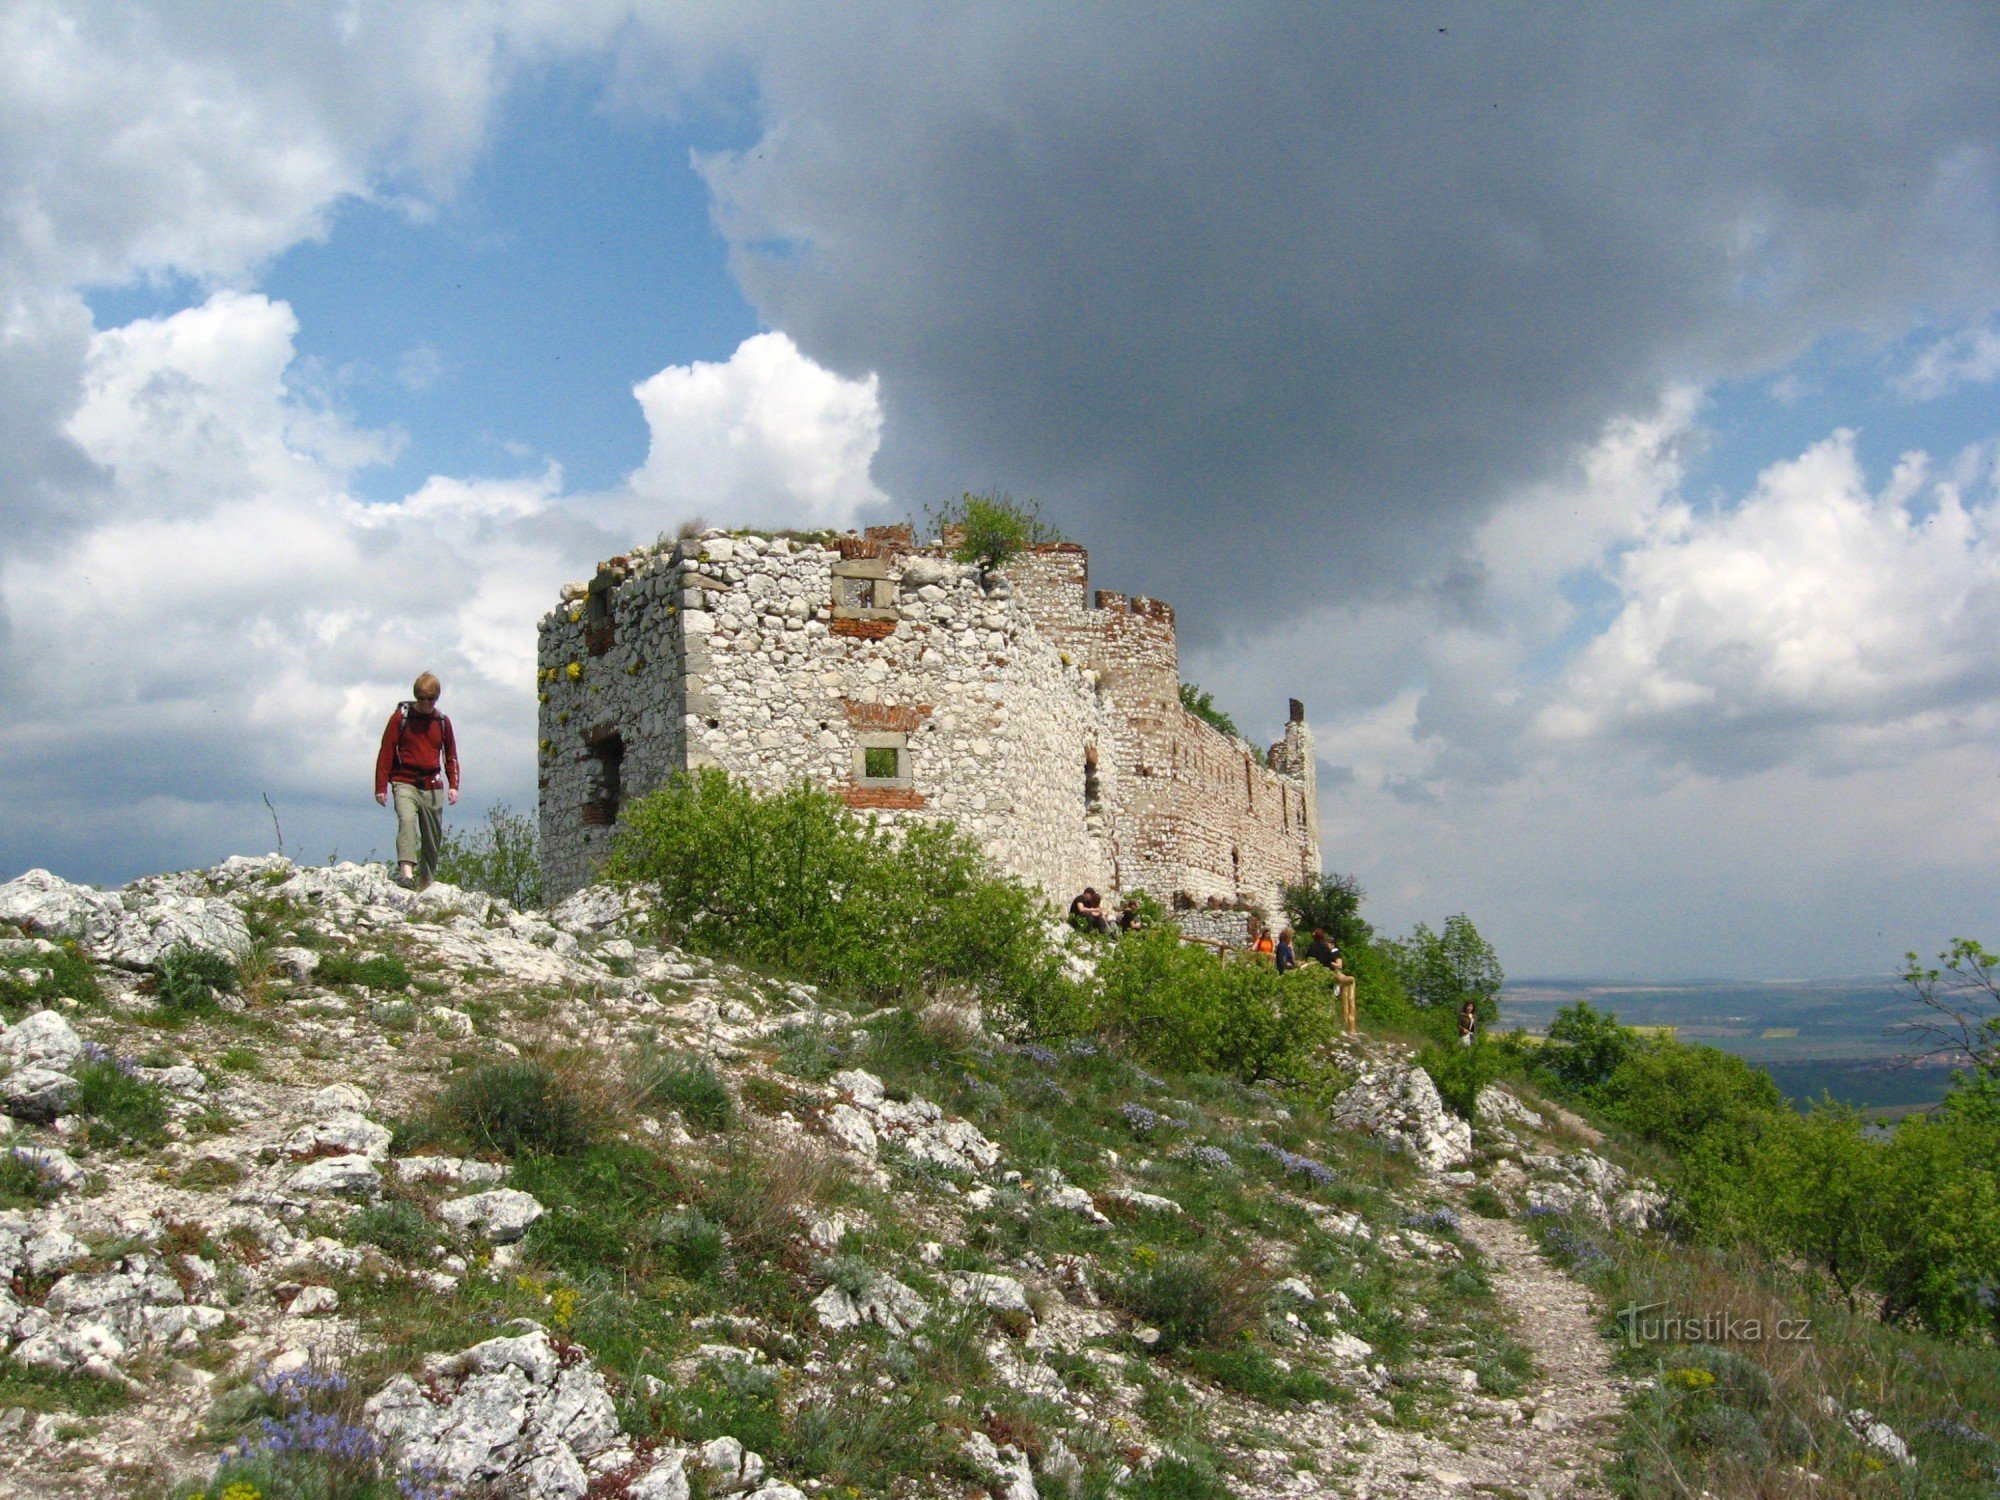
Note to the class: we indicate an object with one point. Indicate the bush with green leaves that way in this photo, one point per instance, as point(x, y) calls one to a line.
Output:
point(1191, 1300)
point(1585, 1047)
point(1330, 904)
point(518, 1108)
point(22, 1183)
point(1202, 705)
point(501, 859)
point(33, 981)
point(115, 1103)
point(799, 882)
point(189, 980)
point(993, 529)
point(1181, 1003)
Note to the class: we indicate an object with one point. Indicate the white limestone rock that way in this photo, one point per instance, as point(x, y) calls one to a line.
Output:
point(502, 1215)
point(36, 1093)
point(1007, 1463)
point(1495, 1104)
point(345, 1133)
point(1396, 1101)
point(45, 1037)
point(340, 1099)
point(337, 1176)
point(982, 1289)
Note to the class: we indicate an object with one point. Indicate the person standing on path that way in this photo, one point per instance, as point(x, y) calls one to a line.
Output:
point(1468, 1022)
point(419, 752)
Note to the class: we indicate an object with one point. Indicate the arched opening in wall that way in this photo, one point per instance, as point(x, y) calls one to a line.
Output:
point(1236, 869)
point(607, 754)
point(1091, 790)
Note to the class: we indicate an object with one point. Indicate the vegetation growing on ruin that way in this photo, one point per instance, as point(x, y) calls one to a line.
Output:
point(1202, 705)
point(992, 529)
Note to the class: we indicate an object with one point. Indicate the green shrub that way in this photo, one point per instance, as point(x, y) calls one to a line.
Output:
point(993, 529)
point(1332, 904)
point(1172, 1478)
point(1193, 1301)
point(1441, 971)
point(1460, 1072)
point(501, 859)
point(690, 1243)
point(66, 974)
point(118, 1105)
point(1585, 1047)
point(688, 1084)
point(518, 1107)
point(1202, 706)
point(22, 1184)
point(189, 980)
point(397, 1227)
point(800, 883)
point(1181, 1004)
point(377, 971)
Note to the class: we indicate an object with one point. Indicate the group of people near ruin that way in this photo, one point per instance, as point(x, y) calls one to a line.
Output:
point(1087, 914)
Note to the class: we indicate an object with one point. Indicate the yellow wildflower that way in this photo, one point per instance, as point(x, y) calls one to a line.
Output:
point(574, 671)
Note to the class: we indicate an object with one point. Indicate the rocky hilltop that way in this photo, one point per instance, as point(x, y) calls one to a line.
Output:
point(355, 1191)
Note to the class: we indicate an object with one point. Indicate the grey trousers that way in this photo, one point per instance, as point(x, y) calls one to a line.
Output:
point(419, 827)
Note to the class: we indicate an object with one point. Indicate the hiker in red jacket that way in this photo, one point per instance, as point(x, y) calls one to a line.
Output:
point(418, 751)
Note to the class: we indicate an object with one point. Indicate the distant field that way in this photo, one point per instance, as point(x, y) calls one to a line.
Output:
point(1833, 1036)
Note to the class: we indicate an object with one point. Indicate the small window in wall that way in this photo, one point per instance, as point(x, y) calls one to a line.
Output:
point(607, 751)
point(863, 590)
point(882, 760)
point(599, 624)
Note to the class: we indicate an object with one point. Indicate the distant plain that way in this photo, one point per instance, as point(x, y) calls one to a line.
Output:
point(1845, 1037)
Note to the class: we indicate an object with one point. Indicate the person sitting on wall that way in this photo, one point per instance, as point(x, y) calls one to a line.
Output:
point(1086, 912)
point(1287, 958)
point(1321, 951)
point(1129, 919)
point(1260, 941)
point(418, 751)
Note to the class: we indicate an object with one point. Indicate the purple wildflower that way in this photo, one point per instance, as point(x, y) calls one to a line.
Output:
point(1081, 1046)
point(1439, 1220)
point(1313, 1170)
point(1035, 1052)
point(1140, 1118)
point(1212, 1157)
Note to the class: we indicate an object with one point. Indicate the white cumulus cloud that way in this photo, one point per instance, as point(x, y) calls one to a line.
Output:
point(1816, 617)
point(766, 437)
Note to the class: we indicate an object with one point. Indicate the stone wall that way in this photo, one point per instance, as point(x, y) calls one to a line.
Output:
point(1049, 727)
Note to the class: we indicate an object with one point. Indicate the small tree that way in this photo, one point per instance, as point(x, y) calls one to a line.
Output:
point(1202, 706)
point(1961, 1003)
point(1447, 969)
point(502, 859)
point(993, 529)
point(1330, 903)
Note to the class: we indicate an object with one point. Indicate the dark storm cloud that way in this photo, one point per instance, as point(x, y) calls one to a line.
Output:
point(1304, 289)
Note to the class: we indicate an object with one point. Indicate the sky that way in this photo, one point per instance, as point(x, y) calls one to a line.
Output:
point(1592, 415)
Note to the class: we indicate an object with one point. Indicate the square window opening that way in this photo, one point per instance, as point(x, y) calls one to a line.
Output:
point(881, 763)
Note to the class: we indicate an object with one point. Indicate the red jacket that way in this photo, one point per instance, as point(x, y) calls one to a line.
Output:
point(415, 747)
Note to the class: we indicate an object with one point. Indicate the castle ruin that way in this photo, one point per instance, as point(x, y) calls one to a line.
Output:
point(1044, 720)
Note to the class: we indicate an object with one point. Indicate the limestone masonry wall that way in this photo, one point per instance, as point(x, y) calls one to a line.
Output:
point(1047, 725)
